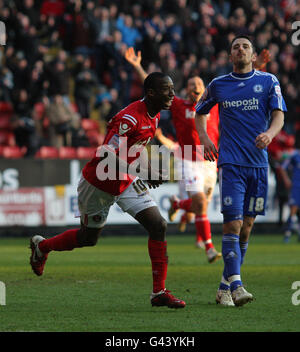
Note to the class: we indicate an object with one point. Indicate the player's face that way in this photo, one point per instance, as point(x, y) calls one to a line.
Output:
point(242, 52)
point(163, 94)
point(195, 88)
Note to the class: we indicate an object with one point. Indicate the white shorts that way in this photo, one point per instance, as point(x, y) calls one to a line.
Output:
point(196, 177)
point(94, 204)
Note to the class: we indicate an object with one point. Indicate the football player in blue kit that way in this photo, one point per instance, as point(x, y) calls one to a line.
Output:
point(292, 163)
point(251, 110)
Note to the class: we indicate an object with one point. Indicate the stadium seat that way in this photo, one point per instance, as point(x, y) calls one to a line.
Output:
point(67, 153)
point(7, 138)
point(95, 138)
point(5, 122)
point(13, 152)
point(90, 125)
point(85, 152)
point(6, 107)
point(47, 153)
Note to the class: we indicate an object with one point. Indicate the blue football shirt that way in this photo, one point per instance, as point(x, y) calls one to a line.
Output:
point(293, 163)
point(246, 102)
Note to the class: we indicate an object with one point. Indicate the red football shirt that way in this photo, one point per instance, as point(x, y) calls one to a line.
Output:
point(132, 126)
point(183, 116)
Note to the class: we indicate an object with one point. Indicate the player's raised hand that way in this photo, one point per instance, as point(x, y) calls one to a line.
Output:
point(132, 58)
point(262, 59)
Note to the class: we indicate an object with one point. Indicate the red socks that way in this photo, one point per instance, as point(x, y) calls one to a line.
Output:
point(65, 241)
point(203, 230)
point(159, 259)
point(183, 204)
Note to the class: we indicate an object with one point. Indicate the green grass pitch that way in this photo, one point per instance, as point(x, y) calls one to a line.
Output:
point(106, 288)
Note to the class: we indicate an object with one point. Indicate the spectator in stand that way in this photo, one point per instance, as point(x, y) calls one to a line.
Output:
point(221, 65)
point(108, 104)
point(85, 81)
point(23, 125)
point(37, 85)
point(58, 75)
point(173, 33)
point(6, 84)
point(130, 35)
point(222, 7)
point(47, 28)
point(63, 122)
point(102, 27)
point(20, 70)
point(28, 8)
point(78, 31)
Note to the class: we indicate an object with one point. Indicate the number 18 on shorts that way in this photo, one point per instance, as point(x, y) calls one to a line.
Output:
point(243, 191)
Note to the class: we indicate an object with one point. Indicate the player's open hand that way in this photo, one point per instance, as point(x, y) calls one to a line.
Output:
point(132, 58)
point(210, 151)
point(262, 59)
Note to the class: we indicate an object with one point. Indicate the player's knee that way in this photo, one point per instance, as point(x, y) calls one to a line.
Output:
point(162, 226)
point(88, 237)
point(159, 229)
point(199, 204)
point(91, 241)
point(234, 227)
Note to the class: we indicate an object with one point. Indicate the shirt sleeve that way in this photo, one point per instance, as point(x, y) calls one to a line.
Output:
point(207, 100)
point(120, 130)
point(276, 101)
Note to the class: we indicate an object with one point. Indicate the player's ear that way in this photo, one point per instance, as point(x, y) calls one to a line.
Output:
point(254, 57)
point(150, 92)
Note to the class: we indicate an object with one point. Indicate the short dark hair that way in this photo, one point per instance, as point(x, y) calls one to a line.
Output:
point(245, 37)
point(152, 80)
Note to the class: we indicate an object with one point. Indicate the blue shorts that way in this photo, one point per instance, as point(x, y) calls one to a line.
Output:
point(295, 196)
point(243, 191)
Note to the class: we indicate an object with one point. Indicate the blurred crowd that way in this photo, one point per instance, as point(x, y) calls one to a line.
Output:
point(68, 56)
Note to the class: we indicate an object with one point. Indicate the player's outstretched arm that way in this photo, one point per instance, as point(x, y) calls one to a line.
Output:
point(262, 59)
point(164, 140)
point(135, 61)
point(210, 151)
point(265, 138)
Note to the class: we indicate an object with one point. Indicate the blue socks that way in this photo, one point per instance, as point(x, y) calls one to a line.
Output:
point(233, 252)
point(243, 247)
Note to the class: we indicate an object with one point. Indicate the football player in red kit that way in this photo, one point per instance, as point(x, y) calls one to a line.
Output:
point(135, 125)
point(198, 178)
